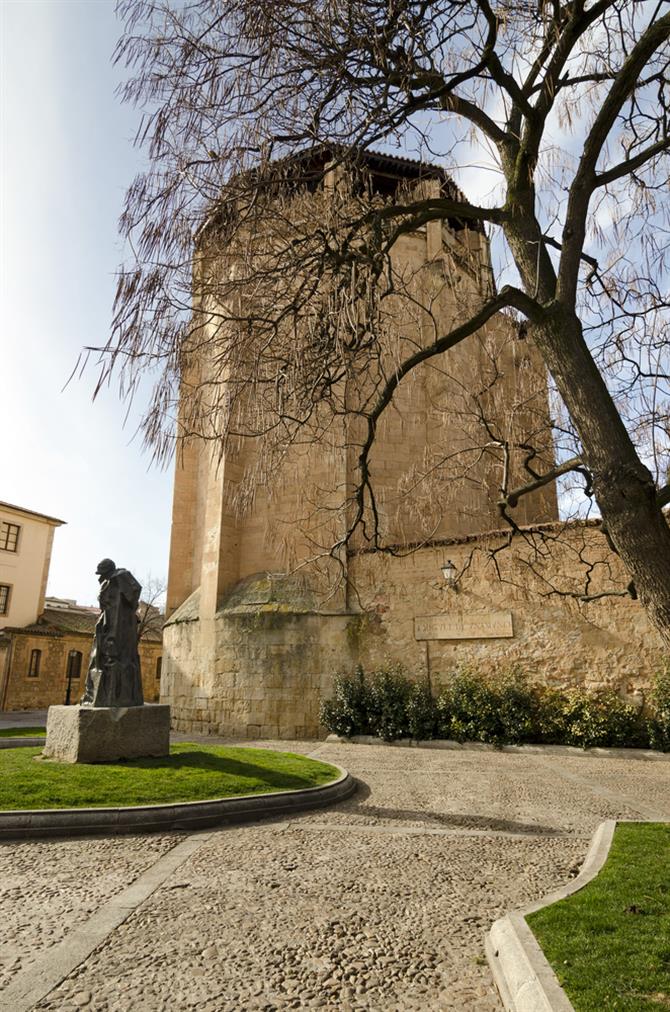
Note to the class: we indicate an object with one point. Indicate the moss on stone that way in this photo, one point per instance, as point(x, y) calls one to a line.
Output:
point(358, 630)
point(189, 611)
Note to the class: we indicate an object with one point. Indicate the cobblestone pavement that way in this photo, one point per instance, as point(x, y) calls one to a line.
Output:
point(380, 903)
point(49, 888)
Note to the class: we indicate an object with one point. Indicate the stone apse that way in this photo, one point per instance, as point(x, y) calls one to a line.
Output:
point(261, 620)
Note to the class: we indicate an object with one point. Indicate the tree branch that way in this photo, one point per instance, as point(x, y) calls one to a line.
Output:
point(507, 297)
point(591, 261)
point(512, 498)
point(630, 164)
point(567, 34)
point(477, 116)
point(663, 496)
point(585, 179)
point(498, 73)
point(435, 208)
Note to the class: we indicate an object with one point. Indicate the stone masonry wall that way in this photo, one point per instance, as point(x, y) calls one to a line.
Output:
point(429, 475)
point(265, 676)
point(557, 640)
point(262, 670)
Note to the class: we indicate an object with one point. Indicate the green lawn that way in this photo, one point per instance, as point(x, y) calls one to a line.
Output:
point(609, 944)
point(189, 773)
point(22, 732)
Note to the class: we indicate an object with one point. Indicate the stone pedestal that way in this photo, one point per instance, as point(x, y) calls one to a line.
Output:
point(98, 734)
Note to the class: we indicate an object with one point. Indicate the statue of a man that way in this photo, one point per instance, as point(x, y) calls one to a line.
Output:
point(114, 676)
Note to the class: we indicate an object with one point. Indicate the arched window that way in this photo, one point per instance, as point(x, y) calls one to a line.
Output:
point(35, 660)
point(159, 666)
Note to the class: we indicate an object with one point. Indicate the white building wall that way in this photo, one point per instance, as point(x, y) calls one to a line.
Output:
point(25, 570)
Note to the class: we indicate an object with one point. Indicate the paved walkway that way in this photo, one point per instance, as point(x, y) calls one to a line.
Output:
point(23, 718)
point(380, 903)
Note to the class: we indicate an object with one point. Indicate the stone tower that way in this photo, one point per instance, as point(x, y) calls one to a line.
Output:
point(259, 623)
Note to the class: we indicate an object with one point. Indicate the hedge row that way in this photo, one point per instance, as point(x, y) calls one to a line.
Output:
point(505, 710)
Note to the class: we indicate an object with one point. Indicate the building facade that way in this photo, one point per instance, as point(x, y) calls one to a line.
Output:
point(26, 539)
point(45, 643)
point(45, 662)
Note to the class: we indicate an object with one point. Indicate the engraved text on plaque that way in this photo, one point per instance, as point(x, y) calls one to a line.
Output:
point(476, 626)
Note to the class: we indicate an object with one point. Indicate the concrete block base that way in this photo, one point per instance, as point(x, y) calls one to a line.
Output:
point(98, 734)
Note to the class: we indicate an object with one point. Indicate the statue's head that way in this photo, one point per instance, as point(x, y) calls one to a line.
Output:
point(105, 569)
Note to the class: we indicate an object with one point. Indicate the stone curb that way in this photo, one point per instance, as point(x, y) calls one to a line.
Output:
point(567, 751)
point(21, 742)
point(187, 815)
point(524, 978)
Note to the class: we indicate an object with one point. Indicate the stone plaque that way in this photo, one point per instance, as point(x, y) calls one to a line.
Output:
point(476, 626)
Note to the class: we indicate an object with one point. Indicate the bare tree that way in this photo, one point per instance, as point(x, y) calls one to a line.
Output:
point(568, 105)
point(151, 609)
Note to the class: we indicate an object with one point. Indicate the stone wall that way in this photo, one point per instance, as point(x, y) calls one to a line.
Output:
point(262, 667)
point(24, 692)
point(557, 640)
point(429, 473)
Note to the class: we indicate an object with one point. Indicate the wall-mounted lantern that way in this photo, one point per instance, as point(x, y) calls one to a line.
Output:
point(449, 574)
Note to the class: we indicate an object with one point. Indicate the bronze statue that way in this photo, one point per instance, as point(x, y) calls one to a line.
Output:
point(114, 676)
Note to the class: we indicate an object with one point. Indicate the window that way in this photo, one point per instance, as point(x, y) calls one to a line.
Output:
point(74, 664)
point(4, 598)
point(159, 666)
point(35, 658)
point(9, 536)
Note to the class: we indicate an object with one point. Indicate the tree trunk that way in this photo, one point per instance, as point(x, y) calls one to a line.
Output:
point(623, 486)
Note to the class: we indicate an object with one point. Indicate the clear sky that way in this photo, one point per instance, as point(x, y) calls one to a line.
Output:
point(66, 157)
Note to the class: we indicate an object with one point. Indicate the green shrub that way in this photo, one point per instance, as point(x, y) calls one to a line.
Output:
point(377, 704)
point(464, 707)
point(585, 720)
point(499, 711)
point(502, 710)
point(550, 720)
point(443, 715)
point(347, 713)
point(468, 710)
point(588, 720)
point(388, 696)
point(659, 722)
point(626, 728)
point(422, 713)
point(515, 700)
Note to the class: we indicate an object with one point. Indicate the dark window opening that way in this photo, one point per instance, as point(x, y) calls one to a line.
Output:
point(159, 666)
point(4, 598)
point(35, 660)
point(9, 536)
point(74, 664)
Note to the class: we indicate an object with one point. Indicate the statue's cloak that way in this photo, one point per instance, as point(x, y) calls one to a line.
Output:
point(114, 675)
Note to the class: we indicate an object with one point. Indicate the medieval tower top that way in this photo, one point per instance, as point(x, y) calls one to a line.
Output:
point(293, 476)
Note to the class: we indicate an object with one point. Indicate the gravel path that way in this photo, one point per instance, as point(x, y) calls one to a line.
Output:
point(380, 903)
